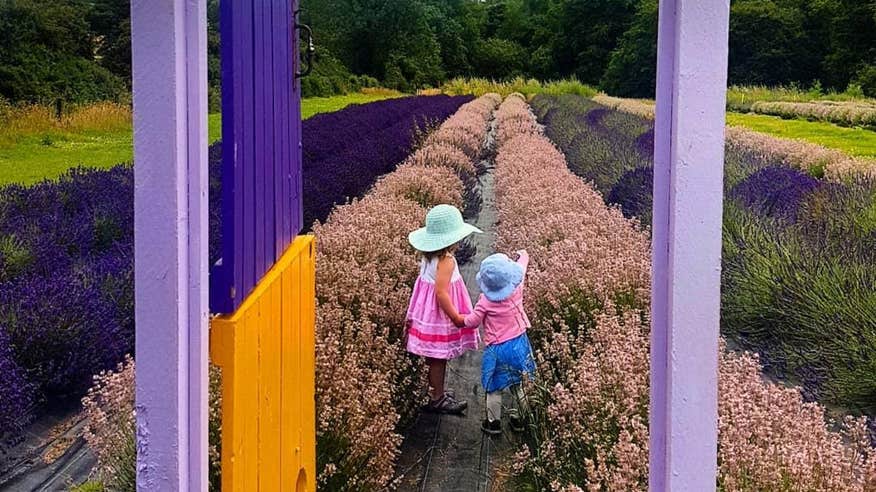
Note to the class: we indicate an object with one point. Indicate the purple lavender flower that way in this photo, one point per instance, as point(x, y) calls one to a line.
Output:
point(775, 191)
point(63, 329)
point(645, 144)
point(16, 394)
point(634, 193)
point(345, 151)
point(594, 117)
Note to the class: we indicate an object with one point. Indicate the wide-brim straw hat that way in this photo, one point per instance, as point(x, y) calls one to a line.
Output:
point(498, 277)
point(444, 227)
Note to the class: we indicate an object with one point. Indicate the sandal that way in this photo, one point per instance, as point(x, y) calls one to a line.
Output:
point(446, 404)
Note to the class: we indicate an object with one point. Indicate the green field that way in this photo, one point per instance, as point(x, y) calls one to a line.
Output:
point(32, 157)
point(853, 141)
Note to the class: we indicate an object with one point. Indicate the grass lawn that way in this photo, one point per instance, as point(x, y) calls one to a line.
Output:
point(853, 141)
point(32, 157)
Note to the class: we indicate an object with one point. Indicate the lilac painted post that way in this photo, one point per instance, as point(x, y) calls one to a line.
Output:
point(686, 242)
point(170, 242)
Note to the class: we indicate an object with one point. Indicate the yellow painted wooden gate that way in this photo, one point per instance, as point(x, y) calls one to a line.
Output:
point(266, 352)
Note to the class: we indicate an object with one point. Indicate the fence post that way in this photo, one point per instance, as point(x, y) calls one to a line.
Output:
point(686, 242)
point(170, 242)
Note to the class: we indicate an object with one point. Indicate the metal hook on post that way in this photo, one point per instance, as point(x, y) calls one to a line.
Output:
point(309, 51)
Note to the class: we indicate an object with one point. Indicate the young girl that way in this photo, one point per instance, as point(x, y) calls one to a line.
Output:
point(508, 356)
point(438, 299)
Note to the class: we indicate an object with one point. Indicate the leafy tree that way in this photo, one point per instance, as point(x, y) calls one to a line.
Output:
point(388, 40)
point(851, 39)
point(499, 58)
point(214, 67)
point(632, 69)
point(586, 33)
point(110, 22)
point(766, 40)
point(47, 51)
point(80, 49)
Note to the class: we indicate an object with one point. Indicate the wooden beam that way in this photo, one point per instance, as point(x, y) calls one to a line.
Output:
point(686, 242)
point(170, 242)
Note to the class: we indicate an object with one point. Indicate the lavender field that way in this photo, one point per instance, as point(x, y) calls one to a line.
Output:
point(799, 261)
point(66, 249)
point(798, 291)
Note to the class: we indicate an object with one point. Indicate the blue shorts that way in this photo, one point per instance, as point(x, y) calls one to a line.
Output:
point(505, 364)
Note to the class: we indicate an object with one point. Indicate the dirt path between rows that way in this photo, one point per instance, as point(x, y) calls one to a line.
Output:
point(52, 457)
point(450, 453)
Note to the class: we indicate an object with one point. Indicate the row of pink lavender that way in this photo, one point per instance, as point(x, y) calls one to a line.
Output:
point(589, 290)
point(848, 113)
point(367, 384)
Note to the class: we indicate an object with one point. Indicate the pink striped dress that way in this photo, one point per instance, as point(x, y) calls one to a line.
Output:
point(431, 333)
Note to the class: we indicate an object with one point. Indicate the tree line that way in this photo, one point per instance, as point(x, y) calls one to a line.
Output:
point(80, 49)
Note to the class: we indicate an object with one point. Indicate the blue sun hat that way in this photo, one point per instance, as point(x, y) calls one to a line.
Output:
point(499, 276)
point(444, 227)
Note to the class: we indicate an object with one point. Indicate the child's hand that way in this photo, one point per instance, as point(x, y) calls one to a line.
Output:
point(459, 321)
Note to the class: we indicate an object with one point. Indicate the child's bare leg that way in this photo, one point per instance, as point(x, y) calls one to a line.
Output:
point(494, 405)
point(437, 370)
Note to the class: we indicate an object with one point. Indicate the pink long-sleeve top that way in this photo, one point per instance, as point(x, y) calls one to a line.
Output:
point(502, 320)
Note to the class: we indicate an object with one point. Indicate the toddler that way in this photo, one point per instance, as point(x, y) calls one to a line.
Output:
point(438, 298)
point(508, 356)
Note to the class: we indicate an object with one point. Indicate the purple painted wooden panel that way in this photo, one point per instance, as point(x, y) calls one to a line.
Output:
point(261, 151)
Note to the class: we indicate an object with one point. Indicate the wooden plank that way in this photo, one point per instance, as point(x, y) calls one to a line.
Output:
point(222, 279)
point(249, 369)
point(272, 373)
point(288, 465)
point(307, 308)
point(261, 153)
point(229, 357)
point(247, 188)
point(261, 137)
point(270, 28)
point(270, 172)
point(300, 382)
point(290, 119)
point(686, 242)
point(170, 216)
point(281, 47)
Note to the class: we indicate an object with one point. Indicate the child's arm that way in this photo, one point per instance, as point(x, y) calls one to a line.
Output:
point(523, 260)
point(442, 290)
point(477, 315)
